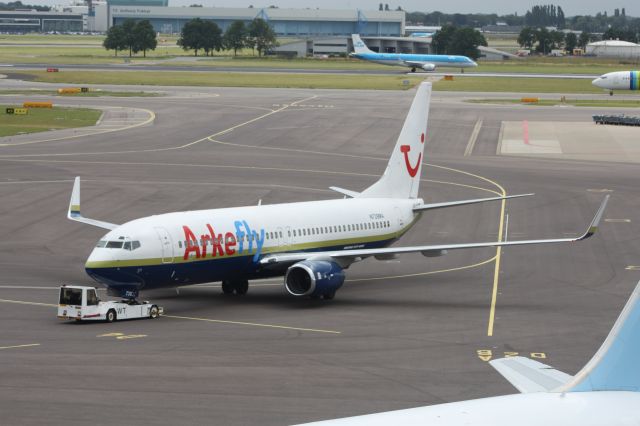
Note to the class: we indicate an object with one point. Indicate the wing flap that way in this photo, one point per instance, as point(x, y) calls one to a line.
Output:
point(528, 375)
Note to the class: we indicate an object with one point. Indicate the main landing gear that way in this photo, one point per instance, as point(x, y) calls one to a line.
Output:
point(413, 69)
point(237, 286)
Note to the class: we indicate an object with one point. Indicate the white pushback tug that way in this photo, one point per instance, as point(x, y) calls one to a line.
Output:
point(81, 303)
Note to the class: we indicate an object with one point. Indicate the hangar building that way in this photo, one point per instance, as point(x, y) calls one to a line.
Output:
point(617, 49)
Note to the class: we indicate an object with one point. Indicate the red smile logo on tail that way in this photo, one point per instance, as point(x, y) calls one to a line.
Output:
point(405, 150)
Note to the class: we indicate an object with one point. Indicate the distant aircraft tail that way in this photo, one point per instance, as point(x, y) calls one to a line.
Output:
point(616, 365)
point(358, 45)
point(401, 179)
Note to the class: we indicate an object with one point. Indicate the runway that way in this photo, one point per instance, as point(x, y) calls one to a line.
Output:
point(168, 66)
point(400, 334)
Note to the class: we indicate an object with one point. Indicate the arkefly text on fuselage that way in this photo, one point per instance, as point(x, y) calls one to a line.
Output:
point(409, 60)
point(310, 243)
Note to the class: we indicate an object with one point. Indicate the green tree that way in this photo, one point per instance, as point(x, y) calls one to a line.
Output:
point(145, 37)
point(465, 41)
point(262, 35)
point(115, 39)
point(584, 39)
point(570, 42)
point(211, 37)
point(236, 37)
point(191, 35)
point(128, 29)
point(442, 39)
point(527, 37)
point(545, 41)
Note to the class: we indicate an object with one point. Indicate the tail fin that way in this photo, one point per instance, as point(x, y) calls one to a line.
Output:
point(616, 365)
point(358, 45)
point(401, 179)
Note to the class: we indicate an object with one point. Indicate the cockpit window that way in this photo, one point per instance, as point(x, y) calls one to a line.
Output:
point(135, 245)
point(126, 245)
point(101, 243)
point(114, 244)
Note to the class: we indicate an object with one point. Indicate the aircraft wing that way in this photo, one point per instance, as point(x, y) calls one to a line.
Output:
point(350, 256)
point(528, 375)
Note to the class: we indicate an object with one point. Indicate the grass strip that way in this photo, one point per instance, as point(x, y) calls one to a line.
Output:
point(613, 103)
point(517, 85)
point(89, 94)
point(44, 119)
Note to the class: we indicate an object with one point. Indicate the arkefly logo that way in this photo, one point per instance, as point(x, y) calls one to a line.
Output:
point(412, 170)
point(359, 44)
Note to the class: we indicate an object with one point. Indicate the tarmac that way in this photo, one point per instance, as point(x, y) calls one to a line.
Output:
point(404, 333)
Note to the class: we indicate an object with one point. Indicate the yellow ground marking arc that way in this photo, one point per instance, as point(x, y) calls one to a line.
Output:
point(20, 346)
point(253, 324)
point(152, 116)
point(172, 148)
point(496, 272)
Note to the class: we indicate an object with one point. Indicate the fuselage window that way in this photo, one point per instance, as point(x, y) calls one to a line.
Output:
point(280, 232)
point(288, 232)
point(180, 244)
point(294, 232)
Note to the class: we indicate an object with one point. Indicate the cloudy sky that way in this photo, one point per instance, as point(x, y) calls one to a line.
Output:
point(571, 7)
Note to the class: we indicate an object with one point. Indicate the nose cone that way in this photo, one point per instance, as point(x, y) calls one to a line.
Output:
point(473, 63)
point(598, 82)
point(99, 258)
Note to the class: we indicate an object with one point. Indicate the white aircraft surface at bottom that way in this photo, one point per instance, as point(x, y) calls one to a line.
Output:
point(606, 392)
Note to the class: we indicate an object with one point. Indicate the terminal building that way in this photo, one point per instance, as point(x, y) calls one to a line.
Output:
point(100, 15)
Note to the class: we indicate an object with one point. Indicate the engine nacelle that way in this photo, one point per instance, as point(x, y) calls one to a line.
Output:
point(314, 278)
point(428, 67)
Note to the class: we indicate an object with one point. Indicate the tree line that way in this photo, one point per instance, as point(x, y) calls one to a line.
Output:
point(197, 35)
point(544, 41)
point(537, 16)
point(17, 5)
point(205, 35)
point(132, 36)
point(452, 40)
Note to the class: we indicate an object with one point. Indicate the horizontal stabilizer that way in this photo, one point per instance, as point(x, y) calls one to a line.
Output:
point(74, 210)
point(348, 193)
point(464, 202)
point(528, 375)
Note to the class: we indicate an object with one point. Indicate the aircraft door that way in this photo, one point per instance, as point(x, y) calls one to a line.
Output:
point(166, 243)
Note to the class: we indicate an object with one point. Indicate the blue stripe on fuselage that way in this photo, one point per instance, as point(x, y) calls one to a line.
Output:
point(402, 57)
point(201, 271)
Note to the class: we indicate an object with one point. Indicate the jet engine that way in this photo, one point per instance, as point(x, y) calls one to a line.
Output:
point(428, 67)
point(314, 278)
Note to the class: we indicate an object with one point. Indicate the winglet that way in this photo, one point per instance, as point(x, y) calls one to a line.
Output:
point(593, 226)
point(74, 209)
point(615, 366)
point(74, 204)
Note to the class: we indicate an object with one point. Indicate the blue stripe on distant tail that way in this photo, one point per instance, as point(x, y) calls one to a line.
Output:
point(634, 76)
point(616, 365)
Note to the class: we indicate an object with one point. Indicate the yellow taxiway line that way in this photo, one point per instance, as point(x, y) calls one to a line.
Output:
point(254, 324)
point(19, 346)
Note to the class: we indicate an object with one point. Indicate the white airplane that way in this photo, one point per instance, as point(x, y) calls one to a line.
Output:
point(619, 80)
point(410, 60)
point(605, 392)
point(310, 243)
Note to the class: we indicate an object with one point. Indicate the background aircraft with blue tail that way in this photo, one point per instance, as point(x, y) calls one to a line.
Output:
point(310, 243)
point(605, 392)
point(409, 60)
